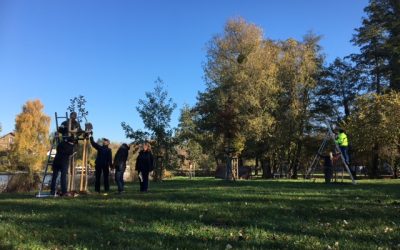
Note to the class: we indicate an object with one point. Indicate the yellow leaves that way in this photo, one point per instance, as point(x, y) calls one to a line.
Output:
point(31, 136)
point(375, 120)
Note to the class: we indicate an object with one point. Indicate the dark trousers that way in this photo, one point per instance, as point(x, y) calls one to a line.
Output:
point(144, 184)
point(64, 171)
point(106, 173)
point(353, 170)
point(328, 172)
point(119, 179)
point(345, 153)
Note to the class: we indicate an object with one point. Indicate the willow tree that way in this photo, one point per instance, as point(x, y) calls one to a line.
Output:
point(299, 68)
point(236, 105)
point(31, 136)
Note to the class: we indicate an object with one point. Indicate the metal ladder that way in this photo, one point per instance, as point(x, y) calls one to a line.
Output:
point(50, 158)
point(315, 162)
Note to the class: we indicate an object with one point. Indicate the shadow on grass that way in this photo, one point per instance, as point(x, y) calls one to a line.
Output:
point(204, 214)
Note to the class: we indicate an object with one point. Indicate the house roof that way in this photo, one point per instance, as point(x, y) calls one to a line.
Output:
point(11, 133)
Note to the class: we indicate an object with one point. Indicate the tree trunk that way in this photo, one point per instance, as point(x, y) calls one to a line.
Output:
point(296, 160)
point(395, 67)
point(396, 164)
point(266, 167)
point(377, 72)
point(256, 167)
point(240, 161)
point(158, 171)
point(375, 161)
point(346, 109)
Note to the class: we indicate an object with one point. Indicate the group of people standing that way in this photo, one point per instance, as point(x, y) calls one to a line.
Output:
point(70, 129)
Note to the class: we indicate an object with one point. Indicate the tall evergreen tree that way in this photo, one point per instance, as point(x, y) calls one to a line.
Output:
point(339, 85)
point(379, 42)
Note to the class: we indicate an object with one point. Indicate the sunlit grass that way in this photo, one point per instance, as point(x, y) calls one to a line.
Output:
point(210, 214)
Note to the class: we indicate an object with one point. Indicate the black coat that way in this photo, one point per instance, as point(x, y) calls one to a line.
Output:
point(64, 151)
point(120, 158)
point(144, 162)
point(104, 155)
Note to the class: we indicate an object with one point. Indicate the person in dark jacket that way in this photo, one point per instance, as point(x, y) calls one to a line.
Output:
point(70, 127)
point(60, 164)
point(102, 164)
point(328, 165)
point(144, 165)
point(120, 165)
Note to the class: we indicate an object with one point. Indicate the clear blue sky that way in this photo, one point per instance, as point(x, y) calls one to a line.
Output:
point(112, 51)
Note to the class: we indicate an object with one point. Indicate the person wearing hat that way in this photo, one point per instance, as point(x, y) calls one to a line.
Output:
point(60, 164)
point(103, 163)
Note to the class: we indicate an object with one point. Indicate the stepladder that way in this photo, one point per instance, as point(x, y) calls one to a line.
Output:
point(73, 169)
point(329, 136)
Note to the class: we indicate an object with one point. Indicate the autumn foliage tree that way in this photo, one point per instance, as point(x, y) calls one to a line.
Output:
point(31, 136)
point(375, 131)
point(257, 100)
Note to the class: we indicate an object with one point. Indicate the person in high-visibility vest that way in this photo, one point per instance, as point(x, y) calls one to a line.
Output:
point(343, 143)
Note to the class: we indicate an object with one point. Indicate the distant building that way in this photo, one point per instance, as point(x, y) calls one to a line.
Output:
point(6, 141)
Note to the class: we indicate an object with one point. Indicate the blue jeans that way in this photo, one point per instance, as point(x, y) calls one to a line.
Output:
point(64, 171)
point(345, 153)
point(119, 179)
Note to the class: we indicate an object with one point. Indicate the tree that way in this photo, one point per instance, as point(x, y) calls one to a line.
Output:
point(374, 131)
point(31, 136)
point(78, 105)
point(393, 43)
point(257, 99)
point(238, 74)
point(189, 139)
point(155, 112)
point(340, 84)
point(299, 69)
point(379, 42)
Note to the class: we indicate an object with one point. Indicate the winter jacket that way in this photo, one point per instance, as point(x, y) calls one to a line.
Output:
point(144, 162)
point(75, 128)
point(64, 151)
point(120, 158)
point(104, 155)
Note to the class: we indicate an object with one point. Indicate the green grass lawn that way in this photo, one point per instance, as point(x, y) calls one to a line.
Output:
point(210, 214)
